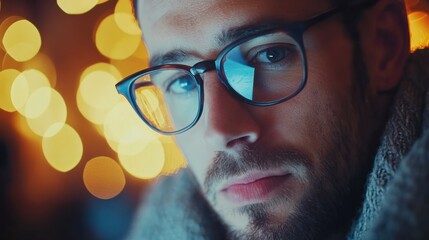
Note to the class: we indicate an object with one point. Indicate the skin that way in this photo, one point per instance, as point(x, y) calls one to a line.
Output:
point(323, 138)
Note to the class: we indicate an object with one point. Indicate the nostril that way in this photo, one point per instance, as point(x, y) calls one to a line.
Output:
point(245, 140)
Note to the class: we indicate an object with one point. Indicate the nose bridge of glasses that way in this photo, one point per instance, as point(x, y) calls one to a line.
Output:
point(202, 67)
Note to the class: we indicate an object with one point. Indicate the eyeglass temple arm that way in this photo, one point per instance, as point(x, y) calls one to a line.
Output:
point(359, 6)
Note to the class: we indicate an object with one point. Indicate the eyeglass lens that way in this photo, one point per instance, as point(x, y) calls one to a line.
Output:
point(168, 98)
point(263, 69)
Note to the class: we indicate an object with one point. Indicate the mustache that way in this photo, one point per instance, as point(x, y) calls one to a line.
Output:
point(225, 166)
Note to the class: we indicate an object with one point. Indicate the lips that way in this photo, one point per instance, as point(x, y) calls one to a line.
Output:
point(254, 188)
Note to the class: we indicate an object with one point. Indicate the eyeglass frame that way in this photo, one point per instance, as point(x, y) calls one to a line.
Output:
point(294, 29)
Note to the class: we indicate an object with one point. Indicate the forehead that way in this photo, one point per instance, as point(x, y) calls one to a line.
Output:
point(191, 24)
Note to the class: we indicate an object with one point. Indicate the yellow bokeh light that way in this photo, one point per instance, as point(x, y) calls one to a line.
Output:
point(101, 66)
point(24, 85)
point(40, 62)
point(419, 29)
point(54, 113)
point(44, 64)
point(127, 23)
point(98, 90)
point(63, 150)
point(22, 40)
point(131, 142)
point(113, 42)
point(124, 6)
point(97, 95)
point(122, 121)
point(125, 19)
point(38, 102)
point(174, 159)
point(99, 128)
point(5, 24)
point(103, 177)
point(94, 115)
point(147, 163)
point(136, 62)
point(76, 6)
point(7, 77)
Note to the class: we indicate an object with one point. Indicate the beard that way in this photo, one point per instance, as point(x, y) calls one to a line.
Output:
point(334, 186)
point(327, 207)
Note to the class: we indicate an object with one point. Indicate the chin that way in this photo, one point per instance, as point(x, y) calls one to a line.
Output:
point(267, 220)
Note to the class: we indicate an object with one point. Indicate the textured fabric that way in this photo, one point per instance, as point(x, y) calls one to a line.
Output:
point(408, 122)
point(176, 210)
point(396, 204)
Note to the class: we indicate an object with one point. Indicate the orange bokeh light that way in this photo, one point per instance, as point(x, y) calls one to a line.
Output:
point(103, 177)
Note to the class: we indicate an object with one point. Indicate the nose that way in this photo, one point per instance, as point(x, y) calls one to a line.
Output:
point(229, 123)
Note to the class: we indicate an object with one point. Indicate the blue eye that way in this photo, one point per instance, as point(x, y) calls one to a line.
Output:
point(182, 85)
point(277, 56)
point(272, 55)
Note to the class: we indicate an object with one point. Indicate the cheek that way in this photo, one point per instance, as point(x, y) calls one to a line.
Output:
point(309, 120)
point(304, 122)
point(197, 154)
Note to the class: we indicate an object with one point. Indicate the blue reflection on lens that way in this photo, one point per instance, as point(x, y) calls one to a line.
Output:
point(239, 75)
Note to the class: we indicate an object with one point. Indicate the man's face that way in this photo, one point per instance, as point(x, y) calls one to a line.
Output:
point(289, 170)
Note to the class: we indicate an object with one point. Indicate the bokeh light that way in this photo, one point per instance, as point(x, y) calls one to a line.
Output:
point(54, 114)
point(7, 78)
point(122, 121)
point(96, 116)
point(125, 19)
point(5, 24)
point(22, 40)
point(174, 158)
point(147, 158)
point(103, 177)
point(43, 63)
point(38, 102)
point(24, 85)
point(138, 61)
point(98, 90)
point(101, 66)
point(76, 6)
point(419, 25)
point(64, 149)
point(113, 42)
point(97, 95)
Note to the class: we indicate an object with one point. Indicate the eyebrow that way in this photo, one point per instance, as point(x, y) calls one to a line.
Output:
point(173, 56)
point(224, 38)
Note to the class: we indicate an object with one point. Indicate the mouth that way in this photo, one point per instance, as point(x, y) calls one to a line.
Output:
point(254, 188)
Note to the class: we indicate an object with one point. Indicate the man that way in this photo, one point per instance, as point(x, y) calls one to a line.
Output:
point(296, 119)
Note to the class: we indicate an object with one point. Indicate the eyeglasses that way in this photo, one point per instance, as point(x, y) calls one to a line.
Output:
point(264, 69)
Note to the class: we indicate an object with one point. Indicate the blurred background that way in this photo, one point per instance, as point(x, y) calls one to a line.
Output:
point(74, 155)
point(74, 158)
